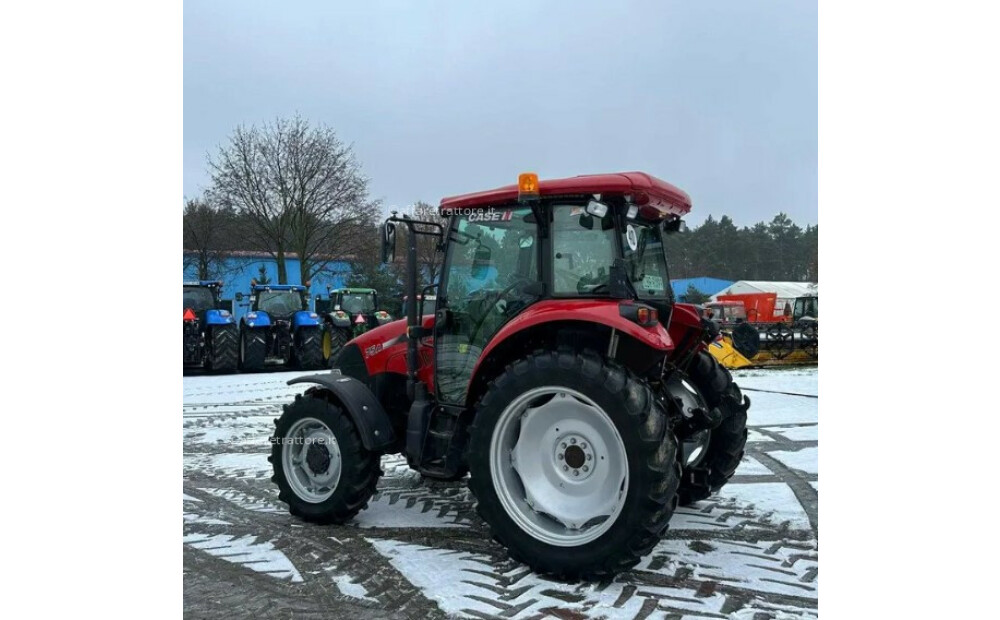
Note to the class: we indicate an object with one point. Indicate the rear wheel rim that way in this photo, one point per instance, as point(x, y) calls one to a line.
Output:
point(559, 466)
point(311, 460)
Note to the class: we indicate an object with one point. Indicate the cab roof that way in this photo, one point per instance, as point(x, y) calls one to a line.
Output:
point(278, 287)
point(656, 198)
point(352, 291)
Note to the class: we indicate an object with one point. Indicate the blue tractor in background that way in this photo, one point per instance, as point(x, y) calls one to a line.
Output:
point(211, 337)
point(279, 326)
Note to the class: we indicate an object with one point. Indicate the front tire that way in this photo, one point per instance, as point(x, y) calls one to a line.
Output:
point(727, 441)
point(322, 469)
point(600, 465)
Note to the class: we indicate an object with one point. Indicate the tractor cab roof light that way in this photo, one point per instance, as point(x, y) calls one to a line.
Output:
point(633, 211)
point(527, 186)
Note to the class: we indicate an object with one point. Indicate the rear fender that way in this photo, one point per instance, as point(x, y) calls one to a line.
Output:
point(257, 319)
point(215, 317)
point(339, 318)
point(357, 400)
point(686, 329)
point(552, 316)
point(304, 318)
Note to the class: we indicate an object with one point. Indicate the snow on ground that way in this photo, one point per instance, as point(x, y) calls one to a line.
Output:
point(420, 549)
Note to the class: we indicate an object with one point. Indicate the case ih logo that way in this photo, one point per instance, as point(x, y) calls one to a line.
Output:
point(490, 216)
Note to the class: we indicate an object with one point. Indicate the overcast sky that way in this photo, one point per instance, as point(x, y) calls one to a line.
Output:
point(441, 98)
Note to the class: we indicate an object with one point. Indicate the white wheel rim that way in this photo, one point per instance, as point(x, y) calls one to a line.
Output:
point(559, 466)
point(310, 459)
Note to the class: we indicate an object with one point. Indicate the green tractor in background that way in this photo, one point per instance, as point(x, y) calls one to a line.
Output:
point(347, 313)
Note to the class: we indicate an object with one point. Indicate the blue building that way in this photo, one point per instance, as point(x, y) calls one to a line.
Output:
point(240, 267)
point(708, 286)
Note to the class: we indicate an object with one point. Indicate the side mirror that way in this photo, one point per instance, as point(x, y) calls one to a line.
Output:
point(388, 242)
point(481, 262)
point(239, 296)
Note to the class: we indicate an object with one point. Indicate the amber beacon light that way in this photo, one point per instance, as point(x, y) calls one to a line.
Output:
point(527, 186)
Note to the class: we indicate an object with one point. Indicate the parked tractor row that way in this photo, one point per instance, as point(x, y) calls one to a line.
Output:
point(279, 326)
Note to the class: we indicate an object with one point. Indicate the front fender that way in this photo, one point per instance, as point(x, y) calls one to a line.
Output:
point(304, 318)
point(216, 317)
point(357, 400)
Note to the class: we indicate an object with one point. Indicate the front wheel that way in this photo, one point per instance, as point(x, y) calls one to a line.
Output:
point(322, 469)
point(573, 465)
point(723, 451)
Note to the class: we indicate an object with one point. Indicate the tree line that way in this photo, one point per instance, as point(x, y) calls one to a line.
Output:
point(777, 250)
point(291, 188)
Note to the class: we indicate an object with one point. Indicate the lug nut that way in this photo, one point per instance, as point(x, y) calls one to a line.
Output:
point(573, 440)
point(576, 472)
point(584, 445)
point(590, 456)
point(564, 445)
point(585, 468)
point(565, 468)
point(560, 457)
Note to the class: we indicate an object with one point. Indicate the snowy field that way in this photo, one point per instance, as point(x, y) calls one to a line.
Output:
point(420, 551)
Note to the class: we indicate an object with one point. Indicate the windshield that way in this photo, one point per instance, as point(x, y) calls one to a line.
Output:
point(645, 261)
point(806, 306)
point(198, 298)
point(358, 303)
point(280, 303)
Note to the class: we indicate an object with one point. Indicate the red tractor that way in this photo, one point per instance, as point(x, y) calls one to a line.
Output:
point(557, 371)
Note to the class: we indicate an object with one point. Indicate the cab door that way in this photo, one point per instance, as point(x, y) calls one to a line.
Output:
point(492, 258)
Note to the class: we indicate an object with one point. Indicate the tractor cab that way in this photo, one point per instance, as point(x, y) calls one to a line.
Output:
point(726, 313)
point(426, 304)
point(806, 309)
point(357, 308)
point(280, 301)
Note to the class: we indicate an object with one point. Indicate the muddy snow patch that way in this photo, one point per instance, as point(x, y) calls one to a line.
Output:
point(261, 557)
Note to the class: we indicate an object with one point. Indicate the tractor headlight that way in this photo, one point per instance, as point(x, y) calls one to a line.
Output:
point(313, 315)
point(224, 313)
point(251, 315)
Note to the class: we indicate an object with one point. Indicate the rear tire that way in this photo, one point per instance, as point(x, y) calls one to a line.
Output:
point(359, 469)
point(727, 442)
point(334, 339)
point(594, 549)
point(309, 348)
point(225, 348)
point(253, 349)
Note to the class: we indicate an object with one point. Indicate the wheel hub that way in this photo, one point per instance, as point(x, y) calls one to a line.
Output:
point(318, 458)
point(574, 456)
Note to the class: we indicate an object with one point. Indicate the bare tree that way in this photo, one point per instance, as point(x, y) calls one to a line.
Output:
point(302, 190)
point(207, 231)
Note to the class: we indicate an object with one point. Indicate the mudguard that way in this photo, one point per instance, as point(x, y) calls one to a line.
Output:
point(216, 317)
point(366, 412)
point(304, 318)
point(257, 319)
point(339, 318)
